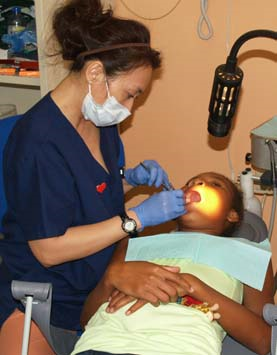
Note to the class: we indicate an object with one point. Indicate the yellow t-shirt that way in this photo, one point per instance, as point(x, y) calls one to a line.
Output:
point(170, 329)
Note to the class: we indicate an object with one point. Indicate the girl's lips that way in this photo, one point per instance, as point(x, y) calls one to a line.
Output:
point(192, 196)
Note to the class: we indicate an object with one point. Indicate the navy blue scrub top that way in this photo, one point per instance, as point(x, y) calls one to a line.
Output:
point(52, 182)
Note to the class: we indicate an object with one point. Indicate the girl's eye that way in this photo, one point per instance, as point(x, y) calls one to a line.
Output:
point(194, 183)
point(130, 96)
point(215, 183)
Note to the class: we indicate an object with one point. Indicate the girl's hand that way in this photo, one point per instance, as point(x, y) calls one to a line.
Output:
point(147, 281)
point(197, 285)
point(119, 299)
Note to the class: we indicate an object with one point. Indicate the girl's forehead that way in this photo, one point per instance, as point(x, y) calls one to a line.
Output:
point(210, 175)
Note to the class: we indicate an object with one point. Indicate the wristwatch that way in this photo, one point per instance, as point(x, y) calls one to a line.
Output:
point(129, 225)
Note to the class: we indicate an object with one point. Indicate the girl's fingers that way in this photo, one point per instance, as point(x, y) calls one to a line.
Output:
point(119, 304)
point(116, 299)
point(137, 305)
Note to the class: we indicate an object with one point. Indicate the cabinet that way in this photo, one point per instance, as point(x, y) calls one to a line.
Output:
point(23, 91)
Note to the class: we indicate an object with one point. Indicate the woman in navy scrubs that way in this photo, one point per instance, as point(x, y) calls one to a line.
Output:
point(65, 194)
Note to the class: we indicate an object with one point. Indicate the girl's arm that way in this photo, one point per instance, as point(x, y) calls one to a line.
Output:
point(104, 288)
point(147, 281)
point(95, 299)
point(242, 322)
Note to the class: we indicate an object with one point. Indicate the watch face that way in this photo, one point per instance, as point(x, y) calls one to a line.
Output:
point(130, 226)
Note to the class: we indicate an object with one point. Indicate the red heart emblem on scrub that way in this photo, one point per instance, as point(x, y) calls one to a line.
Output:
point(101, 188)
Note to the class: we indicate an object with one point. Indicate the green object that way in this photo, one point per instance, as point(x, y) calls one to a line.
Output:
point(16, 21)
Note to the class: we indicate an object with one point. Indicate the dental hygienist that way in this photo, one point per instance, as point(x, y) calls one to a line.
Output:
point(64, 191)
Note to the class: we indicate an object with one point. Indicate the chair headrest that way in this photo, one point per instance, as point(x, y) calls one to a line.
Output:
point(252, 228)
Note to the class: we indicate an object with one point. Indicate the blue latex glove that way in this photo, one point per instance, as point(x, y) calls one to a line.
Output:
point(160, 208)
point(153, 174)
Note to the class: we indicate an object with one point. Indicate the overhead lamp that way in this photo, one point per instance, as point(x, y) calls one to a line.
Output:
point(226, 86)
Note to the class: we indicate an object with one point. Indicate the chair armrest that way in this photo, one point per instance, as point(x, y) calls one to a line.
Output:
point(62, 341)
point(270, 316)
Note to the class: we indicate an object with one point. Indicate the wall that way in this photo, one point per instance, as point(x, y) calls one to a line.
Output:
point(53, 69)
point(171, 125)
point(22, 97)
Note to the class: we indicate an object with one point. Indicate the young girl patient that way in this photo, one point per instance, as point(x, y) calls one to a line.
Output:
point(214, 207)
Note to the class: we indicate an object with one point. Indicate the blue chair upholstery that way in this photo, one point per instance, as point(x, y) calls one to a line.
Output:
point(6, 126)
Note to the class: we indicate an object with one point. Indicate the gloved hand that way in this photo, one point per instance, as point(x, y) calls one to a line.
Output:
point(153, 175)
point(160, 208)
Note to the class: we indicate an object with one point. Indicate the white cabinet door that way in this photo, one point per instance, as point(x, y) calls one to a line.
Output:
point(52, 69)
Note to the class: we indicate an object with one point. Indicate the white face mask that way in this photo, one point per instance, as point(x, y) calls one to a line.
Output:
point(111, 112)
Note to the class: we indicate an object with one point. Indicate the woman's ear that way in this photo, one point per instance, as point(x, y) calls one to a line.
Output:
point(96, 77)
point(232, 216)
point(95, 72)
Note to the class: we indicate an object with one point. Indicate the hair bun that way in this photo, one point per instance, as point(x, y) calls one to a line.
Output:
point(72, 21)
point(89, 10)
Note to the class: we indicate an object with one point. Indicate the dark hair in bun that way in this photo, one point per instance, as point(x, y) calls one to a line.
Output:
point(83, 25)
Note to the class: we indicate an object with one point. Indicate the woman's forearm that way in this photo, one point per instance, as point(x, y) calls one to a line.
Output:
point(79, 242)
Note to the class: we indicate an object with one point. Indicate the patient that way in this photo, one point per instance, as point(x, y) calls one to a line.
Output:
point(177, 328)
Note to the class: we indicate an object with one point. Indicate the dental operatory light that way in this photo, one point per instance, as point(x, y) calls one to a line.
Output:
point(226, 86)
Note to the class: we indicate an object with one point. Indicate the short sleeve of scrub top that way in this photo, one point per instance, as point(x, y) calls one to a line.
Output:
point(43, 194)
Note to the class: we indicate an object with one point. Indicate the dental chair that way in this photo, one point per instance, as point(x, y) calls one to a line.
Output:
point(254, 229)
point(37, 297)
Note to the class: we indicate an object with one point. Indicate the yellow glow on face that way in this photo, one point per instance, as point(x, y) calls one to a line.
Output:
point(210, 203)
